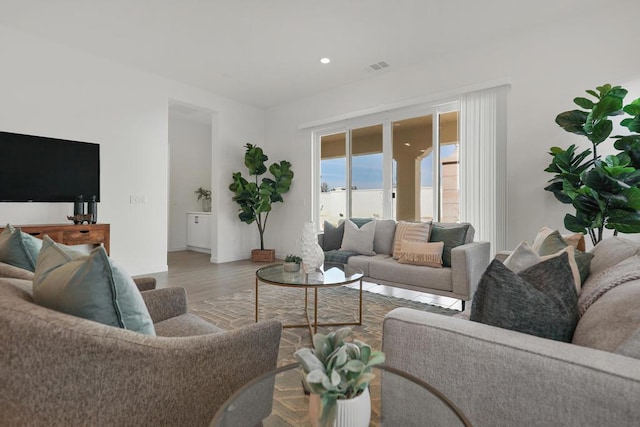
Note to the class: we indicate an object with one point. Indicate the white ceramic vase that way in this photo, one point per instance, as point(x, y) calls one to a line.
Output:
point(312, 253)
point(354, 412)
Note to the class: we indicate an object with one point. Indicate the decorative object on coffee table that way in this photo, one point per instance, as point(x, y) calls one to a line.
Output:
point(205, 196)
point(337, 372)
point(255, 198)
point(312, 253)
point(605, 193)
point(291, 263)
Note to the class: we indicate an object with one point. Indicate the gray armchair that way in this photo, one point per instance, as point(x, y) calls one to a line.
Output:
point(56, 369)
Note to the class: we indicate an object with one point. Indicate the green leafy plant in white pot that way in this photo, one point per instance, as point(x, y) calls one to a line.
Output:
point(204, 195)
point(292, 263)
point(337, 372)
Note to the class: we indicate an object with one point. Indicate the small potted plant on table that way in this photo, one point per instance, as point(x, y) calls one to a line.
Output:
point(292, 263)
point(337, 373)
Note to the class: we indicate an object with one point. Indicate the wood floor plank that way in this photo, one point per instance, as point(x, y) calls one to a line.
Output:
point(206, 281)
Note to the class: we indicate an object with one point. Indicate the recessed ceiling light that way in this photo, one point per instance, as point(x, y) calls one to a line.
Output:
point(325, 60)
point(407, 144)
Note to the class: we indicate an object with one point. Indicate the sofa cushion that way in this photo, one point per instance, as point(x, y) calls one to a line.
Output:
point(611, 251)
point(554, 243)
point(332, 238)
point(358, 239)
point(185, 325)
point(540, 300)
point(19, 249)
point(451, 236)
point(421, 253)
point(524, 257)
point(389, 270)
point(89, 286)
point(362, 262)
point(383, 238)
point(417, 231)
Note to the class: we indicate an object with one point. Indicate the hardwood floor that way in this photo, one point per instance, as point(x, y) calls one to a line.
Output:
point(204, 280)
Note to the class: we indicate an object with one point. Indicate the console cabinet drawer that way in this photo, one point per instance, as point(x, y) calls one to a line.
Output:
point(71, 234)
point(83, 237)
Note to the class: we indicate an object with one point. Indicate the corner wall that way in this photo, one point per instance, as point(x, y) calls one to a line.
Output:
point(51, 90)
point(547, 67)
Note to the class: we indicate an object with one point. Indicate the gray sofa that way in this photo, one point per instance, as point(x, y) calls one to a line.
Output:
point(499, 377)
point(459, 281)
point(57, 369)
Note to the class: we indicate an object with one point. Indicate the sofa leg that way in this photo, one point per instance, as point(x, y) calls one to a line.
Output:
point(463, 301)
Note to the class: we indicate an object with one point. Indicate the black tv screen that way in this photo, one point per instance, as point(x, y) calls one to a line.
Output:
point(40, 169)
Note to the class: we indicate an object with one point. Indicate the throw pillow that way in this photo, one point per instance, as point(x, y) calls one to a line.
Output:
point(332, 238)
point(358, 239)
point(524, 257)
point(383, 239)
point(540, 300)
point(554, 242)
point(416, 231)
point(576, 240)
point(361, 221)
point(19, 249)
point(90, 286)
point(421, 253)
point(610, 251)
point(451, 236)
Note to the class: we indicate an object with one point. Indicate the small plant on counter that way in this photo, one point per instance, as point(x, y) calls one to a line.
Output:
point(203, 194)
point(337, 369)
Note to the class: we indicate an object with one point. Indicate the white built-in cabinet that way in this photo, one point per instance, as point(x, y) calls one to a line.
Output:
point(199, 231)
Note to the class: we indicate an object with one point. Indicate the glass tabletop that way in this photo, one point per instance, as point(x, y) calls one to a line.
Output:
point(277, 398)
point(329, 274)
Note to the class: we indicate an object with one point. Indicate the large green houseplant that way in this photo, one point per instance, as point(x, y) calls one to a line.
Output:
point(604, 192)
point(255, 197)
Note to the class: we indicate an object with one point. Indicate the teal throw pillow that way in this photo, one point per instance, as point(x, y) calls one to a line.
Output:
point(540, 300)
point(91, 286)
point(554, 243)
point(451, 236)
point(19, 249)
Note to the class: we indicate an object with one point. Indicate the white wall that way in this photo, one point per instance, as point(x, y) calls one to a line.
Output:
point(190, 168)
point(547, 68)
point(50, 90)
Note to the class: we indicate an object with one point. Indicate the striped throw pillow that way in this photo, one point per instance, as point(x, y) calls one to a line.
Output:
point(417, 231)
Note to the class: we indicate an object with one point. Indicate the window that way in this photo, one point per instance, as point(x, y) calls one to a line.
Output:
point(445, 162)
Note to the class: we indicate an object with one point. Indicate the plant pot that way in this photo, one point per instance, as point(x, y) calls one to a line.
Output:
point(354, 412)
point(263, 255)
point(291, 267)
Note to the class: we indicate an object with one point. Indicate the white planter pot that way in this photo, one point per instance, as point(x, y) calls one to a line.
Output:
point(291, 267)
point(354, 412)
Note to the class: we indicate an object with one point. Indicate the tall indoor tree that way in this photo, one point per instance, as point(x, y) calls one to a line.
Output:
point(604, 192)
point(255, 197)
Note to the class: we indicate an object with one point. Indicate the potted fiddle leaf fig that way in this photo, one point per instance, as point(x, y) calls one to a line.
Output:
point(256, 196)
point(605, 192)
point(337, 372)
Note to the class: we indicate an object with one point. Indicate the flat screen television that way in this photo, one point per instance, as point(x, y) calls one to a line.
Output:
point(40, 169)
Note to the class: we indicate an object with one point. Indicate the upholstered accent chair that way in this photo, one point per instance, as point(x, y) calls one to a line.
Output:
point(57, 369)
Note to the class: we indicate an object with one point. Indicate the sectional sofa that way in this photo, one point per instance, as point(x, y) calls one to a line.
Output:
point(458, 280)
point(500, 377)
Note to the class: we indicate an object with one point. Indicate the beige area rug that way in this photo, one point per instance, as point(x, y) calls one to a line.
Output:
point(287, 305)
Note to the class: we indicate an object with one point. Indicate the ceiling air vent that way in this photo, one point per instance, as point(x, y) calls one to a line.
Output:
point(379, 66)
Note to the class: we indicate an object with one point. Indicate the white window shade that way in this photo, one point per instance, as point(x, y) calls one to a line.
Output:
point(483, 157)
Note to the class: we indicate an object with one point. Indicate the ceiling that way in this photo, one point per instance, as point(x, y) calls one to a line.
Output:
point(266, 53)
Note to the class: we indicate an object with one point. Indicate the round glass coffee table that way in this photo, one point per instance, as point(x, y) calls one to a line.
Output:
point(277, 398)
point(331, 275)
